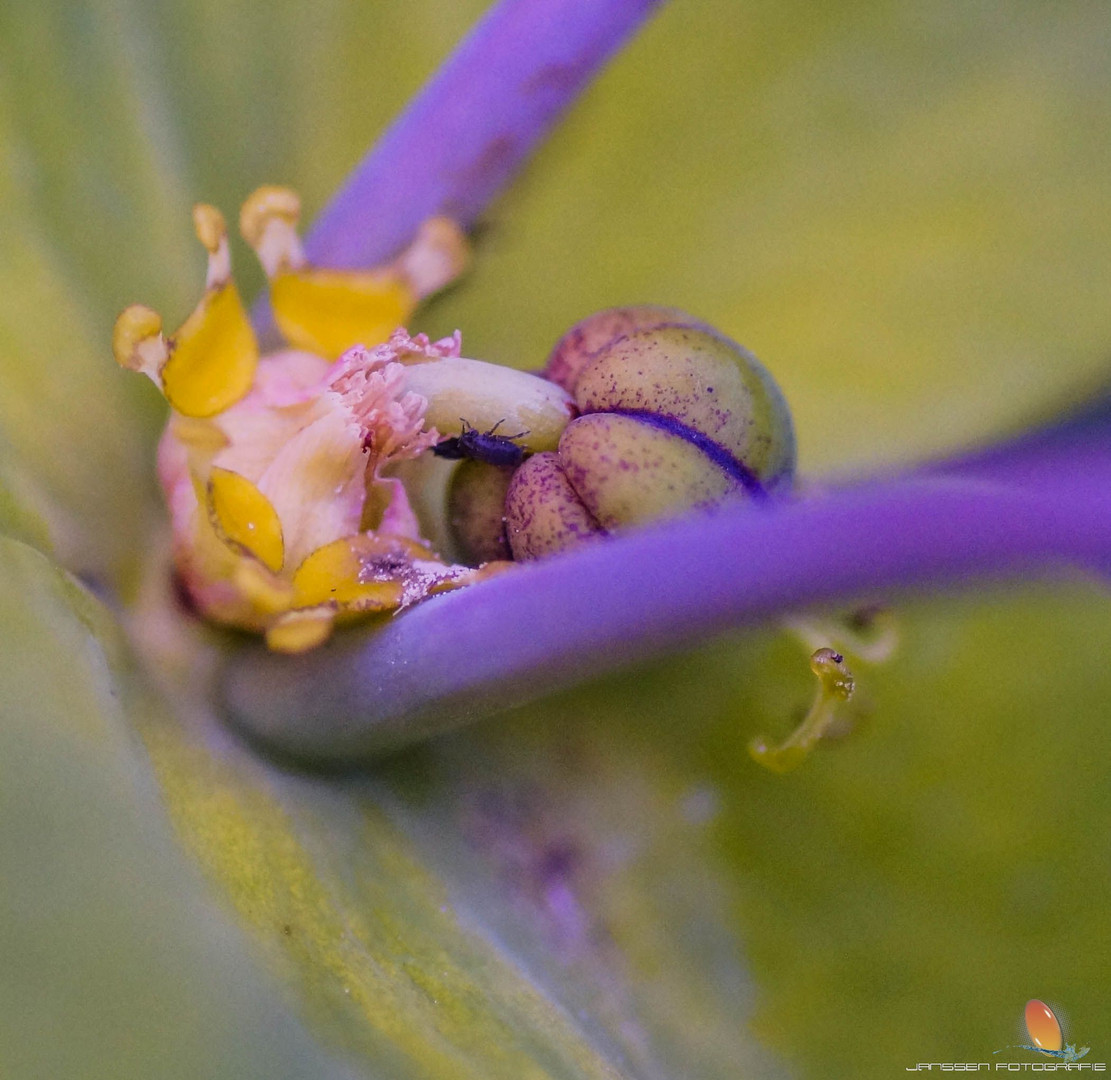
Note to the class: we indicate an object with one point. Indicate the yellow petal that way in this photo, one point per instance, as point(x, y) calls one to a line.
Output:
point(201, 436)
point(214, 356)
point(264, 591)
point(245, 518)
point(328, 311)
point(299, 631)
point(315, 481)
point(363, 572)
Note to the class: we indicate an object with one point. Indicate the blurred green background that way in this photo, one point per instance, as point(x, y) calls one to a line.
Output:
point(901, 209)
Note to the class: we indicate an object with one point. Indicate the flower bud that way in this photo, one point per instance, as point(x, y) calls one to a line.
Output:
point(674, 416)
point(692, 377)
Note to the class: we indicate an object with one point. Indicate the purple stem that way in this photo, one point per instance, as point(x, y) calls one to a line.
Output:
point(458, 657)
point(474, 125)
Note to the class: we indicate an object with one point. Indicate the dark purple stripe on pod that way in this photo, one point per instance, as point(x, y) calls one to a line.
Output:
point(713, 450)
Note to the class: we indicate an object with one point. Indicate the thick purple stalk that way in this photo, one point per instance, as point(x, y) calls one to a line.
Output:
point(551, 624)
point(473, 126)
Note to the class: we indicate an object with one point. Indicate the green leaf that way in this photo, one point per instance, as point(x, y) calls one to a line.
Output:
point(18, 496)
point(113, 945)
point(607, 885)
point(577, 889)
point(118, 959)
point(943, 865)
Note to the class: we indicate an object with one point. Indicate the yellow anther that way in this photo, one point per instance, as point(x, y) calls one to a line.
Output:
point(212, 231)
point(268, 222)
point(328, 311)
point(244, 518)
point(137, 341)
point(210, 226)
point(265, 204)
point(835, 684)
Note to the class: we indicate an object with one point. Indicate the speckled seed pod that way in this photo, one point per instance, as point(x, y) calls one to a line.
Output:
point(547, 514)
point(673, 416)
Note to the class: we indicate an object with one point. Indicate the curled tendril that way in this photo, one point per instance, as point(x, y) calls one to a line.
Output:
point(835, 685)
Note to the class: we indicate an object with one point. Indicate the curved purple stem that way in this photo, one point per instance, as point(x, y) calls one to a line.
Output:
point(551, 624)
point(470, 129)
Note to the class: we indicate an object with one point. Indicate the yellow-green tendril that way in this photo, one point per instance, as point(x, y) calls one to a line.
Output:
point(835, 684)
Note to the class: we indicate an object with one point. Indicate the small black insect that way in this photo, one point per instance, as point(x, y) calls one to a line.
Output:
point(484, 446)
